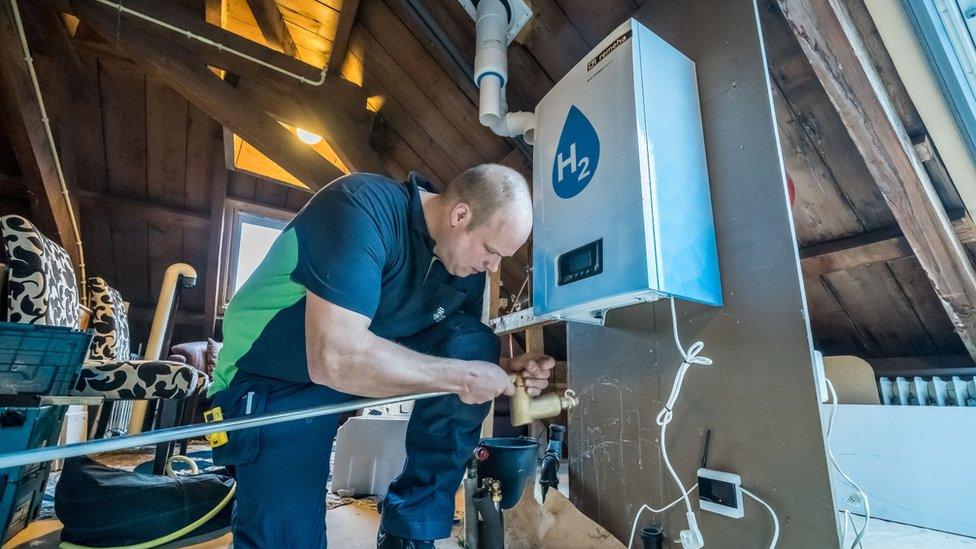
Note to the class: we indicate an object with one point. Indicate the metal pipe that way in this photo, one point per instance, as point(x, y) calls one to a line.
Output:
point(157, 332)
point(38, 455)
point(189, 34)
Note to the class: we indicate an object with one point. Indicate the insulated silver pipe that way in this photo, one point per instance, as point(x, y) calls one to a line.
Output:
point(50, 453)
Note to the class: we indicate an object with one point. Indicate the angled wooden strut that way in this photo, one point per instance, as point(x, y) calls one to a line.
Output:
point(182, 63)
point(21, 117)
point(840, 60)
point(272, 26)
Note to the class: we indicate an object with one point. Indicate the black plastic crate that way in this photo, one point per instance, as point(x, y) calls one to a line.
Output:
point(22, 488)
point(40, 360)
point(21, 500)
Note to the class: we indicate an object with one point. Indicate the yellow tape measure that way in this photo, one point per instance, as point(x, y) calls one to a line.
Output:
point(210, 416)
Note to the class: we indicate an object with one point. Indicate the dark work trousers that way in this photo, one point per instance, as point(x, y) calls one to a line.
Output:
point(281, 470)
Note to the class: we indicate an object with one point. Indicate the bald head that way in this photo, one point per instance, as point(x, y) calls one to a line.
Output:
point(484, 215)
point(487, 189)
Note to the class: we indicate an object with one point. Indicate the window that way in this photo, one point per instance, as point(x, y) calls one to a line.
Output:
point(250, 230)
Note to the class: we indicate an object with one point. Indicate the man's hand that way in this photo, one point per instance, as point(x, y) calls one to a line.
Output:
point(535, 369)
point(483, 381)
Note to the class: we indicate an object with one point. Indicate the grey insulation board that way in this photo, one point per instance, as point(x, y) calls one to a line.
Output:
point(759, 397)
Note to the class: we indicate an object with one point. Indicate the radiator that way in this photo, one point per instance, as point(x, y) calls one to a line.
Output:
point(118, 421)
point(928, 391)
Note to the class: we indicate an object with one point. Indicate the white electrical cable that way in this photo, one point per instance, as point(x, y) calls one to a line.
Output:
point(54, 150)
point(645, 507)
point(833, 460)
point(693, 536)
point(772, 513)
point(189, 34)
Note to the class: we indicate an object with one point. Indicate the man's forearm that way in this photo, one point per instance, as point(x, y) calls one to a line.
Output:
point(377, 367)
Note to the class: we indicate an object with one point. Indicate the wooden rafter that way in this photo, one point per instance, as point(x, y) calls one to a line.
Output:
point(188, 75)
point(174, 13)
point(868, 248)
point(841, 62)
point(340, 46)
point(343, 124)
point(22, 120)
point(272, 26)
point(148, 210)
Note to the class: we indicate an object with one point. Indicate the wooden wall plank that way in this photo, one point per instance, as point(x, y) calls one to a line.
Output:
point(792, 72)
point(297, 198)
point(195, 250)
point(595, 24)
point(165, 247)
point(241, 185)
point(392, 147)
point(212, 260)
point(879, 309)
point(528, 80)
point(123, 90)
point(96, 234)
point(270, 193)
point(388, 74)
point(917, 288)
point(204, 138)
point(166, 144)
point(89, 138)
point(411, 131)
point(429, 77)
point(820, 212)
point(553, 40)
point(158, 213)
point(130, 254)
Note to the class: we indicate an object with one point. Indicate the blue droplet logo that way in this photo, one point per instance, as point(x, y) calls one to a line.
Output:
point(577, 155)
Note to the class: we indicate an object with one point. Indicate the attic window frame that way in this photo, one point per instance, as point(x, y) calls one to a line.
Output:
point(235, 214)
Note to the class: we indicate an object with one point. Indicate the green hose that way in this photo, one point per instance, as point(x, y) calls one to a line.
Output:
point(168, 537)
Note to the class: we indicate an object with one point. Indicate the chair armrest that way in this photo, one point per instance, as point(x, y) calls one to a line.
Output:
point(136, 379)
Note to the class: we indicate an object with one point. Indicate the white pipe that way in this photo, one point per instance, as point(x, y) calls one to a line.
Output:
point(491, 74)
point(83, 287)
point(189, 34)
point(490, 105)
point(157, 332)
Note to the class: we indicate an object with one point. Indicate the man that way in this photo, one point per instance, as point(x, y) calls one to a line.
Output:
point(374, 289)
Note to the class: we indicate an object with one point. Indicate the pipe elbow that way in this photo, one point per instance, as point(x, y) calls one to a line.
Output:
point(513, 124)
point(525, 409)
point(185, 270)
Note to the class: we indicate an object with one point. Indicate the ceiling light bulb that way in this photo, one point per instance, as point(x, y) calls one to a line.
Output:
point(307, 136)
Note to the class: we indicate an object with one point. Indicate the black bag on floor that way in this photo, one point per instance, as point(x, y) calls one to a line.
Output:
point(102, 506)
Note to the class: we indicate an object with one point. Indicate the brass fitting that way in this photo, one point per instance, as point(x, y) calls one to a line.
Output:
point(494, 488)
point(525, 409)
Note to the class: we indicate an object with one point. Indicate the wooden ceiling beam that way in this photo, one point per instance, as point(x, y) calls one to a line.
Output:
point(871, 247)
point(841, 62)
point(344, 123)
point(340, 46)
point(151, 211)
point(22, 120)
point(336, 111)
point(186, 74)
point(174, 13)
point(272, 26)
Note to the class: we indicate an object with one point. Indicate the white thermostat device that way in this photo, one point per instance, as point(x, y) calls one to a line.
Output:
point(622, 210)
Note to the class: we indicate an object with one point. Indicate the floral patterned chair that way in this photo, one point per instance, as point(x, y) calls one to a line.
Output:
point(42, 289)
